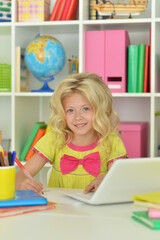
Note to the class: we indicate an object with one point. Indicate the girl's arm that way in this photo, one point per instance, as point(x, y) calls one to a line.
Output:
point(33, 166)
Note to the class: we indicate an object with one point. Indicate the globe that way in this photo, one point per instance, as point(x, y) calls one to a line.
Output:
point(45, 57)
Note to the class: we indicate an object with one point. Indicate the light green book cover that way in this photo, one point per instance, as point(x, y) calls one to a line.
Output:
point(142, 217)
point(133, 68)
point(141, 59)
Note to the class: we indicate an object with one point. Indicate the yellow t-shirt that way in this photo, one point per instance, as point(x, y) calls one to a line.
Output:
point(51, 149)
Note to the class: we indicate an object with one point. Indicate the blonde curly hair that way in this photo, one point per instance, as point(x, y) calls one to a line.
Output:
point(93, 88)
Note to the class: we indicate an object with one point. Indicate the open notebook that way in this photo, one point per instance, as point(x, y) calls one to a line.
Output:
point(127, 177)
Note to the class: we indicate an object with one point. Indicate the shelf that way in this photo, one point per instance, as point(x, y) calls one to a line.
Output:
point(33, 94)
point(128, 95)
point(48, 23)
point(117, 21)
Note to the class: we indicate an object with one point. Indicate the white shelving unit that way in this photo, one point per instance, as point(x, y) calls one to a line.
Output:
point(19, 111)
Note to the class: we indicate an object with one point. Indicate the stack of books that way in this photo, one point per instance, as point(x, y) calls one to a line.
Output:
point(25, 201)
point(151, 216)
point(37, 132)
point(138, 68)
point(64, 10)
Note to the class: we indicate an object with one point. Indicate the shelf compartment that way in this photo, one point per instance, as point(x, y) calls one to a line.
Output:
point(29, 110)
point(145, 14)
point(69, 39)
point(5, 49)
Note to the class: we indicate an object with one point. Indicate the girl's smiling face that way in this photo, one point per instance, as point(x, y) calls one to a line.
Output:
point(79, 115)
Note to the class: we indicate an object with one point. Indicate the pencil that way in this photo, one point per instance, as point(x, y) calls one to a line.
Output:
point(23, 168)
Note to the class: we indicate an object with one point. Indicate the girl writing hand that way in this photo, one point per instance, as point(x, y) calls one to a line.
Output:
point(84, 138)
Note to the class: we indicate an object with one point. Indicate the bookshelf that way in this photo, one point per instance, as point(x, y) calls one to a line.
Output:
point(20, 110)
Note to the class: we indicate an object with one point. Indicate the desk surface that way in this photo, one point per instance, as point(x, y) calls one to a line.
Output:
point(75, 220)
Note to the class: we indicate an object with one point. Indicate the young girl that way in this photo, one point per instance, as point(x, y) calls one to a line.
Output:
point(84, 140)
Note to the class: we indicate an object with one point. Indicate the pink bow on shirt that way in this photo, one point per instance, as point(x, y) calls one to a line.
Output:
point(91, 163)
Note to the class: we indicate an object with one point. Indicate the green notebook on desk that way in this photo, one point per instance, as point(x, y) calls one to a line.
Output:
point(142, 217)
point(24, 198)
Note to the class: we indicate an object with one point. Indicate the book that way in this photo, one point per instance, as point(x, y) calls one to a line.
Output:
point(22, 72)
point(14, 211)
point(72, 10)
point(34, 131)
point(149, 200)
point(24, 198)
point(132, 86)
point(65, 10)
point(55, 10)
point(39, 134)
point(146, 69)
point(141, 57)
point(149, 90)
point(147, 204)
point(142, 217)
point(60, 10)
point(153, 213)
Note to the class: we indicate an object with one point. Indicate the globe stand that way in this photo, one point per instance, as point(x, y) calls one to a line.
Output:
point(45, 87)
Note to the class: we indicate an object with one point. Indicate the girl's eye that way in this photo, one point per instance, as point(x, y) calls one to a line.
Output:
point(85, 109)
point(69, 110)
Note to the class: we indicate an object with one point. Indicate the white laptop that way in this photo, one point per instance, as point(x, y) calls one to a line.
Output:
point(127, 177)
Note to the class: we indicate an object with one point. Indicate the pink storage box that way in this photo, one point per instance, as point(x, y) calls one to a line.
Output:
point(135, 138)
point(33, 10)
point(106, 55)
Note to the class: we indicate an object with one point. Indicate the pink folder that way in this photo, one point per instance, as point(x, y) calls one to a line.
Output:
point(106, 55)
point(116, 45)
point(94, 52)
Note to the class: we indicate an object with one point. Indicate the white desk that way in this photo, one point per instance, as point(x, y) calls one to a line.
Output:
point(72, 220)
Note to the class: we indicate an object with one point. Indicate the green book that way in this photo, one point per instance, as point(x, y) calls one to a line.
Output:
point(34, 131)
point(142, 217)
point(133, 68)
point(141, 59)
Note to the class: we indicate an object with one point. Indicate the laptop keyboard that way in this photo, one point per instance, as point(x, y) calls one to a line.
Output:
point(79, 193)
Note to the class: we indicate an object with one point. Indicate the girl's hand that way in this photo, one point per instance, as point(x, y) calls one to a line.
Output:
point(29, 184)
point(92, 187)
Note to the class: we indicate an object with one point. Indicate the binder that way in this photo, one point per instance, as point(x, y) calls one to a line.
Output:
point(55, 10)
point(94, 52)
point(116, 46)
point(65, 10)
point(133, 68)
point(141, 67)
point(72, 11)
point(146, 69)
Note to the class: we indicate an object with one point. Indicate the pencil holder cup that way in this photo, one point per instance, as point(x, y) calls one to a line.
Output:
point(7, 182)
